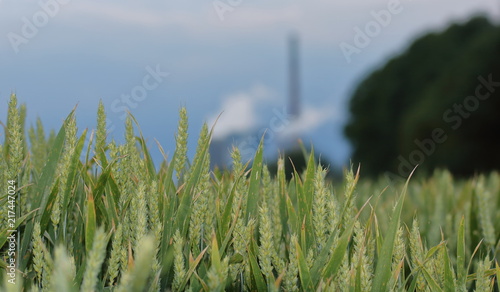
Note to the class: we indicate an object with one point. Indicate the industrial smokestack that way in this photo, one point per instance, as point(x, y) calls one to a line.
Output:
point(293, 76)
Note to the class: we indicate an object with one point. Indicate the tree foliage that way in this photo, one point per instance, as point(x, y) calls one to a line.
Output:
point(436, 105)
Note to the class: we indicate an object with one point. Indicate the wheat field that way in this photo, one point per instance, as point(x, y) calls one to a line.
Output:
point(81, 212)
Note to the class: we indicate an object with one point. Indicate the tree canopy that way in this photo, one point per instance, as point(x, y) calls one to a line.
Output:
point(436, 105)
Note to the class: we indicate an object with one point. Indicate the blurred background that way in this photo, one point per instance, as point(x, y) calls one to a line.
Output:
point(385, 83)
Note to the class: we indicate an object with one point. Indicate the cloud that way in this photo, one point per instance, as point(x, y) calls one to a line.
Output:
point(239, 112)
point(119, 13)
point(309, 120)
point(237, 116)
point(246, 112)
point(260, 16)
point(129, 14)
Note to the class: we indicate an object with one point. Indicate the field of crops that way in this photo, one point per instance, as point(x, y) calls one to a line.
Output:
point(95, 215)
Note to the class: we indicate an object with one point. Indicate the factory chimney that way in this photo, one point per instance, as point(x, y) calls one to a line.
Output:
point(293, 76)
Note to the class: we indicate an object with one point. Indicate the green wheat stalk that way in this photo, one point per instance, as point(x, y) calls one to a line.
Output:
point(94, 261)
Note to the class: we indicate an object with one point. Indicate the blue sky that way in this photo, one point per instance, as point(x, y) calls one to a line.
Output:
point(57, 53)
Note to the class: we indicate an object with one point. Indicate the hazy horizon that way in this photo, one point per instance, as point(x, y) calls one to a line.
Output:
point(152, 58)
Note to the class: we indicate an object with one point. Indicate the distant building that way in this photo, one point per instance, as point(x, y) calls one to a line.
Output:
point(220, 149)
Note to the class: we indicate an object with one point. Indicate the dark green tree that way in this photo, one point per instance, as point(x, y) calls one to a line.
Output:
point(437, 105)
